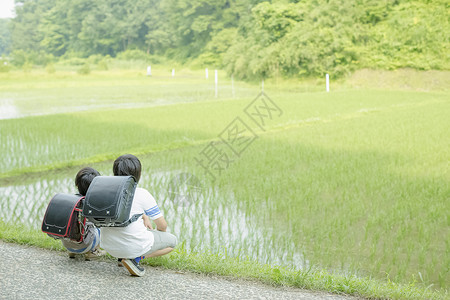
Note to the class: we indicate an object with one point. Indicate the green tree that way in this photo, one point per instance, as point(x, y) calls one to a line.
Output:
point(193, 23)
point(54, 33)
point(25, 34)
point(250, 38)
point(5, 36)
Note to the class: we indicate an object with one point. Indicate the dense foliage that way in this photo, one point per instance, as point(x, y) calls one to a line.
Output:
point(5, 35)
point(248, 38)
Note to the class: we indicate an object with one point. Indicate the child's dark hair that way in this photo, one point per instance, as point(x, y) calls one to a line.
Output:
point(84, 178)
point(126, 165)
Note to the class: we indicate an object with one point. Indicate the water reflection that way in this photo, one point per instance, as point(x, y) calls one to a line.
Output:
point(8, 110)
point(207, 221)
point(27, 203)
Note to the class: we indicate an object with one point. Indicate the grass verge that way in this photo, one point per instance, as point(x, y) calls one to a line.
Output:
point(223, 265)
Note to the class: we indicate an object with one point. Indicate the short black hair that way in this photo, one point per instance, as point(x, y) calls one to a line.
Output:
point(126, 165)
point(84, 178)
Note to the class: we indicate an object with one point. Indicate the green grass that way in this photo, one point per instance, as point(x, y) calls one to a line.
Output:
point(223, 265)
point(357, 179)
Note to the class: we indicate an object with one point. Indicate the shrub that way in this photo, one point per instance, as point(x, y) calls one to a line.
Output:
point(133, 55)
point(27, 66)
point(102, 65)
point(75, 61)
point(95, 59)
point(19, 58)
point(40, 58)
point(50, 68)
point(84, 70)
point(4, 66)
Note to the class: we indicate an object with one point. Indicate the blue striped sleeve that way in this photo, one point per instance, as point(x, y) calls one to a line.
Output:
point(153, 212)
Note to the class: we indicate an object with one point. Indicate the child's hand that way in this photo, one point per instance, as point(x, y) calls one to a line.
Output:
point(147, 222)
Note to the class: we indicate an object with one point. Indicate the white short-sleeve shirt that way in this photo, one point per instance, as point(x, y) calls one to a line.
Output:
point(133, 240)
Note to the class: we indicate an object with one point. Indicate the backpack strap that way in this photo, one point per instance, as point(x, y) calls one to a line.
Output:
point(129, 221)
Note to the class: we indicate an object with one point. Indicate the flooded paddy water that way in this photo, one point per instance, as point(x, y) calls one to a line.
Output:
point(201, 218)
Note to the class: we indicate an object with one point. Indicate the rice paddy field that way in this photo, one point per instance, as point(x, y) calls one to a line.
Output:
point(354, 181)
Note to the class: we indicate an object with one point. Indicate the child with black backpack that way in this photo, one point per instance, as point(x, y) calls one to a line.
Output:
point(138, 239)
point(90, 244)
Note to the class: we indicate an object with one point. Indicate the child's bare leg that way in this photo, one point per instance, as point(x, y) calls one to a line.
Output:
point(160, 252)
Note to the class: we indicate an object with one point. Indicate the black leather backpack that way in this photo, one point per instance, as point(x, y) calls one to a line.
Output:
point(108, 201)
point(62, 219)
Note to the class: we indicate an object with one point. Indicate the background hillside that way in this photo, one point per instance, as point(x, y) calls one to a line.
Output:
point(248, 38)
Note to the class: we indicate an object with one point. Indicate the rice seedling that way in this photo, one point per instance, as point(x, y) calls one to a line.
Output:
point(354, 181)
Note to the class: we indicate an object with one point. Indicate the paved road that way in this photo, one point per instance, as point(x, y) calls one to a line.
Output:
point(32, 273)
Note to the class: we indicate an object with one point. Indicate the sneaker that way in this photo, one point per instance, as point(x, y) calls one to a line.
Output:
point(96, 253)
point(133, 267)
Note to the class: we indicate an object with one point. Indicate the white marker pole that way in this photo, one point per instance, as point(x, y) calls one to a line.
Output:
point(327, 77)
point(149, 71)
point(216, 81)
point(232, 86)
point(206, 73)
point(173, 72)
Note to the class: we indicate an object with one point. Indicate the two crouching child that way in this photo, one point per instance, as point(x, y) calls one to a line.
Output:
point(130, 243)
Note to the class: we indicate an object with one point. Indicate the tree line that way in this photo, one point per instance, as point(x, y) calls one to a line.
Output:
point(250, 39)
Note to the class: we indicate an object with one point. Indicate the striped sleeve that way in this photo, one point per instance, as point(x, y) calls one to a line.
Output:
point(153, 212)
